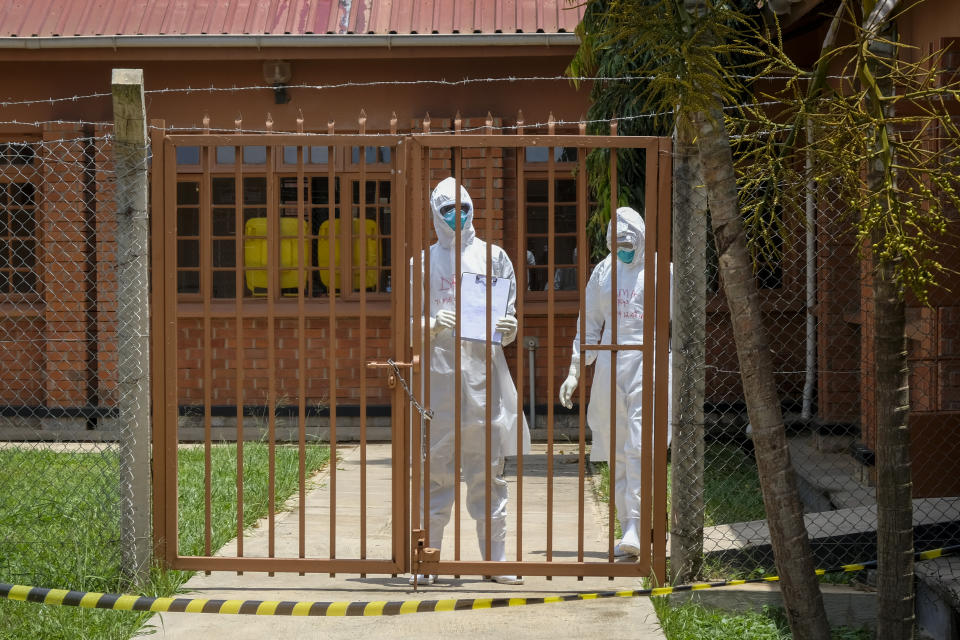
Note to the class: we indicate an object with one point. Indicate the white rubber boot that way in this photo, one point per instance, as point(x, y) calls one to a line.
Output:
point(498, 548)
point(498, 552)
point(630, 543)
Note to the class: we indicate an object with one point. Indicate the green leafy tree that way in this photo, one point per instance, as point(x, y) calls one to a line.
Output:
point(617, 97)
point(883, 140)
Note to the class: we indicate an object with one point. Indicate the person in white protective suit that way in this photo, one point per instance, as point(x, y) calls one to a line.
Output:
point(504, 424)
point(627, 256)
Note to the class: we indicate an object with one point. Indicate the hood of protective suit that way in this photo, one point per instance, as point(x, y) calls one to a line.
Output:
point(444, 194)
point(630, 228)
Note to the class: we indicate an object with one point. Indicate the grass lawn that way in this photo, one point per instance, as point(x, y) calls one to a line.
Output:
point(692, 621)
point(59, 527)
point(731, 494)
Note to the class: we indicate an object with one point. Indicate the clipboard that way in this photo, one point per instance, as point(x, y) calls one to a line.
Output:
point(473, 305)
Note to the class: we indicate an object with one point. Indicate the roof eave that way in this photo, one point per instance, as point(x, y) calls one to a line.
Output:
point(286, 40)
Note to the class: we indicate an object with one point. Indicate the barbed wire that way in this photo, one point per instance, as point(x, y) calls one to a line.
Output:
point(384, 83)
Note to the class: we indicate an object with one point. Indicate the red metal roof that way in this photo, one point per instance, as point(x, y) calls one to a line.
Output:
point(48, 18)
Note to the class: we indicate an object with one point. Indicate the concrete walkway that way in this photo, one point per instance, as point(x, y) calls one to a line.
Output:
point(611, 618)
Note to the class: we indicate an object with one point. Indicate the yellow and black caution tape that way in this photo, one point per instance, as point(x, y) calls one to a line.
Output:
point(117, 602)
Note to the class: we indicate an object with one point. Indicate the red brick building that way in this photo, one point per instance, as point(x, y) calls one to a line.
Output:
point(56, 281)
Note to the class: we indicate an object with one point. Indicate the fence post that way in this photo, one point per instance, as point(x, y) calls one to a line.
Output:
point(133, 318)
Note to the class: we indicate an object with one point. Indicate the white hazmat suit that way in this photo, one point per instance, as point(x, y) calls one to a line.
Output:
point(442, 295)
point(628, 482)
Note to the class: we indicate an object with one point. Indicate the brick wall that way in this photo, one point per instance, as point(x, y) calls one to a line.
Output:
point(62, 225)
point(22, 374)
point(106, 274)
point(344, 351)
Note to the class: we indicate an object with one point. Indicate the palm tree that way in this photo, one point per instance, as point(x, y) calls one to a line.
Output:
point(687, 48)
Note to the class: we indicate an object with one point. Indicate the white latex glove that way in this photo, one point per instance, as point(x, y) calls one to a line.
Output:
point(570, 384)
point(445, 319)
point(507, 326)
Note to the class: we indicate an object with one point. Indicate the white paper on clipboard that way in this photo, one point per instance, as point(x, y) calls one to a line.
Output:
point(473, 305)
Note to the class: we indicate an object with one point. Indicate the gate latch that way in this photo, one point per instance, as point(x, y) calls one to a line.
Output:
point(425, 558)
point(397, 376)
point(392, 364)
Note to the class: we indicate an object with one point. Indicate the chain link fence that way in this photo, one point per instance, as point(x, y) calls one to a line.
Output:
point(815, 292)
point(65, 448)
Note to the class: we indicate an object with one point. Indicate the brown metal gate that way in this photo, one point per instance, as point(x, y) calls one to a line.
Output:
point(281, 289)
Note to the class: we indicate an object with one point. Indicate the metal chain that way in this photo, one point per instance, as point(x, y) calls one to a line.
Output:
point(426, 414)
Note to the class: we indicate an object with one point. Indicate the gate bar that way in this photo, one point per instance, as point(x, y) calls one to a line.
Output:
point(302, 288)
point(414, 184)
point(332, 215)
point(240, 357)
point(206, 289)
point(423, 230)
point(559, 140)
point(363, 334)
point(551, 335)
point(583, 197)
point(170, 343)
point(488, 347)
point(400, 412)
point(286, 565)
point(458, 362)
point(522, 316)
point(651, 259)
point(157, 333)
point(273, 290)
point(614, 339)
point(267, 139)
point(663, 391)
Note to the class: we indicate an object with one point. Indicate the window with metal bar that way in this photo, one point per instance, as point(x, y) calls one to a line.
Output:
point(315, 231)
point(537, 191)
point(18, 243)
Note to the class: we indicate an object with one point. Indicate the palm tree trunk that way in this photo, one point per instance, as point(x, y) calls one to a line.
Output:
point(895, 595)
point(688, 344)
point(788, 535)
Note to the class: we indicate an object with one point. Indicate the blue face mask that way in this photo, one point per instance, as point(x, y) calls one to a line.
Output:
point(625, 256)
point(448, 211)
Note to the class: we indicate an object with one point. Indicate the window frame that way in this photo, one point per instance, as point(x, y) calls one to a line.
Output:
point(206, 238)
point(26, 173)
point(540, 170)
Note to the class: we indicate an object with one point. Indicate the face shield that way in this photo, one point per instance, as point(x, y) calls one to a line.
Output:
point(448, 213)
point(627, 242)
point(626, 248)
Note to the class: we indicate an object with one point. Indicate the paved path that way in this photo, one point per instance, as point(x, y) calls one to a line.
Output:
point(611, 618)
